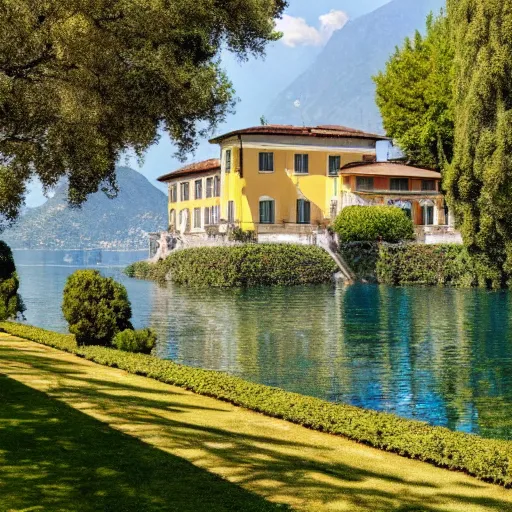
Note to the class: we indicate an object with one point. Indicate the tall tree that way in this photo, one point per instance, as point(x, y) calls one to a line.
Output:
point(83, 81)
point(479, 181)
point(11, 304)
point(415, 97)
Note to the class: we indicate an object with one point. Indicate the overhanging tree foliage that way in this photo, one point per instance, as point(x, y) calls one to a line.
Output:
point(479, 181)
point(82, 81)
point(415, 95)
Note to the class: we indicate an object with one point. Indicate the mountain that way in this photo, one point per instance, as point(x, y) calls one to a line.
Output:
point(338, 88)
point(120, 223)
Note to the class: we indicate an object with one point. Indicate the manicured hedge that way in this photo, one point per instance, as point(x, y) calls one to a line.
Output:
point(442, 264)
point(372, 224)
point(490, 460)
point(241, 266)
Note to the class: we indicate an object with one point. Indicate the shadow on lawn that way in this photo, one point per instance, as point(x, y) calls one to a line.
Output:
point(148, 479)
point(53, 457)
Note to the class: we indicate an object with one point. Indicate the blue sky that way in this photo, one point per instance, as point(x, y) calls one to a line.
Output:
point(307, 26)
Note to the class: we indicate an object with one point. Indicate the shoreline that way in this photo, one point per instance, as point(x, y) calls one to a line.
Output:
point(488, 460)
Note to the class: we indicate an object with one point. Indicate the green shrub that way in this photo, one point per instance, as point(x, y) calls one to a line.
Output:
point(139, 342)
point(11, 304)
point(239, 235)
point(488, 459)
point(441, 264)
point(95, 307)
point(373, 224)
point(241, 266)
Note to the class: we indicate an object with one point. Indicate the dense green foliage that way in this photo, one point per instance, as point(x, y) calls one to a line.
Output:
point(140, 342)
point(415, 96)
point(82, 82)
point(479, 180)
point(239, 235)
point(96, 307)
point(10, 302)
point(443, 264)
point(362, 258)
point(241, 266)
point(490, 460)
point(373, 223)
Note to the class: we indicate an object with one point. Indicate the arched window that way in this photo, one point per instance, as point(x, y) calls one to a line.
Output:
point(267, 210)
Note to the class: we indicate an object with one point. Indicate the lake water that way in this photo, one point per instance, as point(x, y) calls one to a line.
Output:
point(435, 354)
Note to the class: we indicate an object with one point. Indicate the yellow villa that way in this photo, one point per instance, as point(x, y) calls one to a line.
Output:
point(288, 180)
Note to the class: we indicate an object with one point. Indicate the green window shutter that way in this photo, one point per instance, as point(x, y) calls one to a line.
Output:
point(267, 212)
point(263, 212)
point(303, 212)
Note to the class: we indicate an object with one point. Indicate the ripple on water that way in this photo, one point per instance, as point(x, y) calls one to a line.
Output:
point(435, 354)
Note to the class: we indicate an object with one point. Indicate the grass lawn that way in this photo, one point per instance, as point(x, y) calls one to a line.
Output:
point(53, 457)
point(78, 436)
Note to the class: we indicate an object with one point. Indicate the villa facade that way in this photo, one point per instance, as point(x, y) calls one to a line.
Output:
point(292, 180)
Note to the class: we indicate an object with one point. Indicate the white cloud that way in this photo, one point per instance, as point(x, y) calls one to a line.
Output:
point(296, 31)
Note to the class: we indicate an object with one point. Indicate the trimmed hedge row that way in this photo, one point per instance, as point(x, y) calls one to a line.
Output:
point(373, 224)
point(241, 266)
point(441, 264)
point(489, 460)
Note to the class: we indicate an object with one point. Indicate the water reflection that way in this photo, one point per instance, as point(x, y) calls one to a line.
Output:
point(440, 355)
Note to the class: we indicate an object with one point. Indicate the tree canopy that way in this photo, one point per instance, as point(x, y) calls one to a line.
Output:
point(11, 304)
point(415, 95)
point(479, 180)
point(83, 81)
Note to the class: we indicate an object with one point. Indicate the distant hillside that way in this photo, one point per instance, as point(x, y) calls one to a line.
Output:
point(120, 223)
point(337, 88)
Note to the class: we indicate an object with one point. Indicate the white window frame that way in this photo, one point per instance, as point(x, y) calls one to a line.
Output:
point(207, 212)
point(206, 188)
point(200, 218)
point(215, 215)
point(202, 189)
point(182, 186)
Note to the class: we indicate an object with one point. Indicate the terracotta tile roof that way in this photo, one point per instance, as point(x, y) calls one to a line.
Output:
point(389, 169)
point(196, 168)
point(332, 131)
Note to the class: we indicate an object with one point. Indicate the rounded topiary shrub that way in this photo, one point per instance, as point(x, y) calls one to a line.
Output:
point(96, 307)
point(141, 342)
point(11, 304)
point(372, 224)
